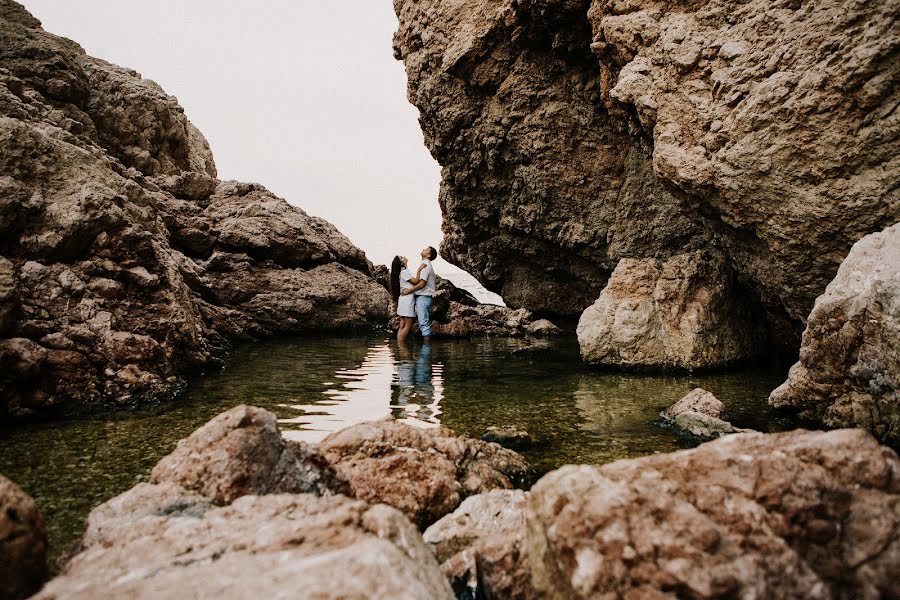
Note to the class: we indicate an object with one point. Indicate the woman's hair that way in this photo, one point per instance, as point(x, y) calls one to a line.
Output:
point(396, 266)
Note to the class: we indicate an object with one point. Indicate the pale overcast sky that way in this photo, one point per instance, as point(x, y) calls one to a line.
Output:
point(302, 96)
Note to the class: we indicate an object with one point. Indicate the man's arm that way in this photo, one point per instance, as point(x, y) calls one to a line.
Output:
point(415, 279)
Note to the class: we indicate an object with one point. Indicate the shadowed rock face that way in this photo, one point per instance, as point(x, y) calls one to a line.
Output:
point(576, 133)
point(124, 263)
point(23, 543)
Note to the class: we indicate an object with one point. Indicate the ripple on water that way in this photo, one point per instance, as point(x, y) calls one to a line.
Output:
point(317, 386)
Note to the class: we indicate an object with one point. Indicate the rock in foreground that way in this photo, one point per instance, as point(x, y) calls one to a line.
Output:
point(798, 514)
point(23, 543)
point(684, 312)
point(849, 369)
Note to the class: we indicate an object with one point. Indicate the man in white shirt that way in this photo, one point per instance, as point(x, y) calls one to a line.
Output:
point(425, 286)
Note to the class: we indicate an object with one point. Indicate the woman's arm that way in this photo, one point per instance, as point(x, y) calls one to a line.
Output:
point(414, 288)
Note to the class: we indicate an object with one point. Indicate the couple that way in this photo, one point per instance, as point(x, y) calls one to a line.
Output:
point(414, 294)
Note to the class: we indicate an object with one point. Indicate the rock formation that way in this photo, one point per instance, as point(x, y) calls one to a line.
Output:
point(849, 369)
point(23, 543)
point(818, 517)
point(575, 134)
point(124, 263)
point(683, 312)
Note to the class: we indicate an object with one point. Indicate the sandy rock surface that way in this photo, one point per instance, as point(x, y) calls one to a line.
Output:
point(849, 369)
point(797, 514)
point(124, 264)
point(23, 543)
point(682, 313)
point(697, 400)
point(425, 473)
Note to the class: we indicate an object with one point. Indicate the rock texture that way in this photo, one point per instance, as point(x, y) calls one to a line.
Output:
point(697, 400)
point(576, 134)
point(849, 369)
point(683, 312)
point(23, 543)
point(425, 473)
point(699, 415)
point(124, 263)
point(798, 514)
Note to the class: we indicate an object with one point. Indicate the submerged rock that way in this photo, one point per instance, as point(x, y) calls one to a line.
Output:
point(23, 543)
point(799, 514)
point(684, 312)
point(124, 263)
point(508, 437)
point(849, 369)
point(425, 473)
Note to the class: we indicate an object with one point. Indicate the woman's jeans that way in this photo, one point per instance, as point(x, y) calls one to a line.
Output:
point(423, 313)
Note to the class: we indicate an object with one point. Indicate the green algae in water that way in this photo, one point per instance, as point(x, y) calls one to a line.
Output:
point(318, 385)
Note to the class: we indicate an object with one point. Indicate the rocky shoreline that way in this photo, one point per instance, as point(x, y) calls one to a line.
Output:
point(383, 509)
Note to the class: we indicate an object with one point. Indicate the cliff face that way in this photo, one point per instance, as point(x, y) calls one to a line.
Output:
point(573, 134)
point(124, 263)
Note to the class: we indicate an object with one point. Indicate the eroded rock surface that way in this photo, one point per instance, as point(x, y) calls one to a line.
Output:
point(23, 543)
point(849, 369)
point(576, 134)
point(425, 473)
point(798, 514)
point(124, 263)
point(684, 312)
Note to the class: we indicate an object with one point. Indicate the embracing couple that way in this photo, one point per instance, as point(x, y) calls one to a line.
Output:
point(413, 294)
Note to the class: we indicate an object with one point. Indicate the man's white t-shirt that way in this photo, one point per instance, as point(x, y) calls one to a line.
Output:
point(430, 279)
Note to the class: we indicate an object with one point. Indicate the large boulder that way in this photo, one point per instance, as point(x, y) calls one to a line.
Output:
point(111, 220)
point(575, 134)
point(425, 473)
point(261, 546)
point(684, 312)
point(23, 543)
point(798, 514)
point(849, 369)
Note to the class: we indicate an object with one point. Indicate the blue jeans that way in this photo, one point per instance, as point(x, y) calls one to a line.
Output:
point(423, 313)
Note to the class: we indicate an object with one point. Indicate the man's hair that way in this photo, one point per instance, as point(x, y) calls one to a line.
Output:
point(433, 253)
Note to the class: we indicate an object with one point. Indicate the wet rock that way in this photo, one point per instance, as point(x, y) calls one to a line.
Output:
point(700, 415)
point(685, 312)
point(849, 369)
point(332, 547)
point(110, 217)
point(241, 452)
point(23, 543)
point(699, 401)
point(425, 473)
point(806, 514)
point(508, 437)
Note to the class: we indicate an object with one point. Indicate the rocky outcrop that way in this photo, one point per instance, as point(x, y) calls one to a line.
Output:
point(23, 543)
point(124, 264)
point(798, 514)
point(425, 473)
point(682, 313)
point(849, 369)
point(576, 134)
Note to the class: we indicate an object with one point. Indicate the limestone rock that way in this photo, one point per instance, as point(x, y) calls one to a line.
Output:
point(573, 135)
point(425, 473)
point(241, 452)
point(332, 547)
point(698, 400)
point(703, 426)
point(508, 436)
point(849, 369)
point(23, 543)
point(797, 514)
point(110, 220)
point(682, 313)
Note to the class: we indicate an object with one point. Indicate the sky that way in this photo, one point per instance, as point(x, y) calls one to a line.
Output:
point(302, 96)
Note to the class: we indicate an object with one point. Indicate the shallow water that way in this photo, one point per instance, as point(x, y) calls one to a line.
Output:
point(316, 386)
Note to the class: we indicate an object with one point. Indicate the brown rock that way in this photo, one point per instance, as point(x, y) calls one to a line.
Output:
point(241, 452)
point(684, 313)
point(423, 472)
point(264, 546)
point(23, 543)
point(698, 400)
point(797, 514)
point(849, 369)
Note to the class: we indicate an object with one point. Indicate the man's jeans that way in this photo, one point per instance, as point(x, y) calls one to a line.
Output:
point(423, 313)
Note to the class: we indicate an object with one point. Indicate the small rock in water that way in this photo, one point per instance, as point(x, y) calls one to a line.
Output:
point(698, 400)
point(508, 437)
point(700, 414)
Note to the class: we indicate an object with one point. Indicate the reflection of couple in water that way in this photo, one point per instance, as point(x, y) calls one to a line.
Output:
point(413, 393)
point(413, 294)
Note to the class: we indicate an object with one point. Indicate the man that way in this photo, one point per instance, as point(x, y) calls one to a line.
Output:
point(424, 287)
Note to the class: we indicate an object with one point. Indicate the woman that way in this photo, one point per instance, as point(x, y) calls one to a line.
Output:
point(406, 304)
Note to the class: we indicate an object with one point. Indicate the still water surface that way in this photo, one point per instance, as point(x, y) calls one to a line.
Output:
point(317, 386)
